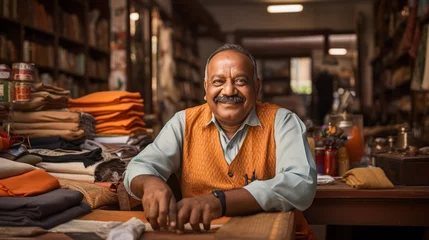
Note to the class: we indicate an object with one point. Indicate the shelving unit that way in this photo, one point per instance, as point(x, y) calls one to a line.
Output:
point(393, 65)
point(55, 36)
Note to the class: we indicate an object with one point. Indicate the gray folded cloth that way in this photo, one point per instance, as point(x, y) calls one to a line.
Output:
point(45, 210)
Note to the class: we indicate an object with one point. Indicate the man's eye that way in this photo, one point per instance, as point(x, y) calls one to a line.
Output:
point(217, 82)
point(241, 81)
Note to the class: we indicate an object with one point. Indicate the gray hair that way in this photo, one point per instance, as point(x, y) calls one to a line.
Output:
point(235, 48)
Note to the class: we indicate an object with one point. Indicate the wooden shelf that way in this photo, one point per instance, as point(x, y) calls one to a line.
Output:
point(32, 29)
point(98, 50)
point(45, 68)
point(7, 62)
point(4, 20)
point(70, 73)
point(98, 79)
point(69, 41)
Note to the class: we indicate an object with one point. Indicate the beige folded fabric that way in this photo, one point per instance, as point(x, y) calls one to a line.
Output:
point(96, 196)
point(69, 167)
point(367, 178)
point(45, 116)
point(9, 168)
point(74, 177)
point(66, 134)
point(39, 87)
point(72, 126)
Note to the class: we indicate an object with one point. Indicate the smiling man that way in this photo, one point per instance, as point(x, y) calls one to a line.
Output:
point(233, 155)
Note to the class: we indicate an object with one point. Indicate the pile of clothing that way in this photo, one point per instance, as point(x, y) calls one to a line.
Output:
point(46, 116)
point(115, 112)
point(31, 197)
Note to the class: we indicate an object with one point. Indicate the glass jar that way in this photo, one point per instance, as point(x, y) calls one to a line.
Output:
point(352, 125)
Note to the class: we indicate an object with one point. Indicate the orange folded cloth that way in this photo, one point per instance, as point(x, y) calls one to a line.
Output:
point(121, 107)
point(120, 131)
point(124, 123)
point(28, 184)
point(117, 115)
point(373, 177)
point(105, 97)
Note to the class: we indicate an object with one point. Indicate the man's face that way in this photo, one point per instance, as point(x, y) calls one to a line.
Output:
point(230, 88)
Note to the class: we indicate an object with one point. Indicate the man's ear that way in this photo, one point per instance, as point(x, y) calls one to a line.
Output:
point(205, 90)
point(257, 87)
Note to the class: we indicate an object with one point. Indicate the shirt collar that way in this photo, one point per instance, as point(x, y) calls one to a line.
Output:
point(251, 120)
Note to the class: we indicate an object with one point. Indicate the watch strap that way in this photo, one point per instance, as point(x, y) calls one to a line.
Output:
point(221, 196)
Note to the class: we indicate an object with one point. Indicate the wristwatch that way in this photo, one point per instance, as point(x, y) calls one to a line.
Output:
point(221, 196)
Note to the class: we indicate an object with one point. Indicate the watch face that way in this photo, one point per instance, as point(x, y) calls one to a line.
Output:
point(215, 193)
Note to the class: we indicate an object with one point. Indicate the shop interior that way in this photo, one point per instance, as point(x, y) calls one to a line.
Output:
point(354, 71)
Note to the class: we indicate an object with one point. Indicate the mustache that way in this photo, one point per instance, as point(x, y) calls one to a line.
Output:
point(229, 99)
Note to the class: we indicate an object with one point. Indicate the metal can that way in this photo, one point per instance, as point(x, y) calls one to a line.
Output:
point(330, 161)
point(22, 91)
point(5, 84)
point(320, 159)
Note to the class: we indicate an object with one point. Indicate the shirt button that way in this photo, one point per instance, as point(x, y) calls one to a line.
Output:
point(230, 174)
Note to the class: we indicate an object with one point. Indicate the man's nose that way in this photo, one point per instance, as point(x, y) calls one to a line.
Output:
point(229, 89)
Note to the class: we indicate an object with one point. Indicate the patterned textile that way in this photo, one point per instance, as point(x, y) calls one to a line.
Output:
point(95, 196)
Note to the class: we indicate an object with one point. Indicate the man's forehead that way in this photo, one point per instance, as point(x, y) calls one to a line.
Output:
point(230, 56)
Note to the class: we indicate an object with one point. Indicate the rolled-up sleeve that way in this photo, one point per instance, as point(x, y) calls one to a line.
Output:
point(294, 185)
point(162, 157)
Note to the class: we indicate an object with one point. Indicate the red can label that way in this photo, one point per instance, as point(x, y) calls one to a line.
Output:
point(22, 92)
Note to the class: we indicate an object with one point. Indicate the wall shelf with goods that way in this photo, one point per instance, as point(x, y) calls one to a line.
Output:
point(68, 41)
point(393, 64)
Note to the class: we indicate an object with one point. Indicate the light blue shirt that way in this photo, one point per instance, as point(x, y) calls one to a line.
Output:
point(294, 185)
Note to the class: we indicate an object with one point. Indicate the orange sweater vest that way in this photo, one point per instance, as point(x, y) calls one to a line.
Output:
point(204, 167)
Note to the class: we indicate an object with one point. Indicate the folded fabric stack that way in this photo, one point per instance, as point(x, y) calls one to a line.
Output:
point(44, 116)
point(31, 197)
point(70, 126)
point(115, 112)
point(83, 165)
point(44, 97)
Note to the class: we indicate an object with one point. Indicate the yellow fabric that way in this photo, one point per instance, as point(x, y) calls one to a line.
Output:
point(104, 97)
point(367, 178)
point(204, 167)
point(96, 196)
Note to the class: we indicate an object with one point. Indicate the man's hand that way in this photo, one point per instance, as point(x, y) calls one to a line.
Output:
point(198, 210)
point(159, 203)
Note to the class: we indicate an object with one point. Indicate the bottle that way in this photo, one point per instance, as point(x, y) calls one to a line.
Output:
point(330, 161)
point(343, 161)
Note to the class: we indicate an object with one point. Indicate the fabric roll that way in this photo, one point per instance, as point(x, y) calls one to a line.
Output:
point(51, 220)
point(41, 87)
point(53, 143)
point(60, 155)
point(125, 123)
point(120, 131)
point(95, 196)
point(74, 177)
point(45, 116)
point(105, 97)
point(66, 134)
point(47, 125)
point(29, 159)
point(97, 111)
point(28, 184)
point(11, 168)
point(37, 207)
point(118, 115)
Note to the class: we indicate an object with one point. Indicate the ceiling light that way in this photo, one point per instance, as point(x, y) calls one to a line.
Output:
point(134, 16)
point(337, 51)
point(289, 8)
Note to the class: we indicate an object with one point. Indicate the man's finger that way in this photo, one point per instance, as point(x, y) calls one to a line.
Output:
point(182, 218)
point(172, 212)
point(207, 217)
point(153, 215)
point(162, 212)
point(194, 219)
